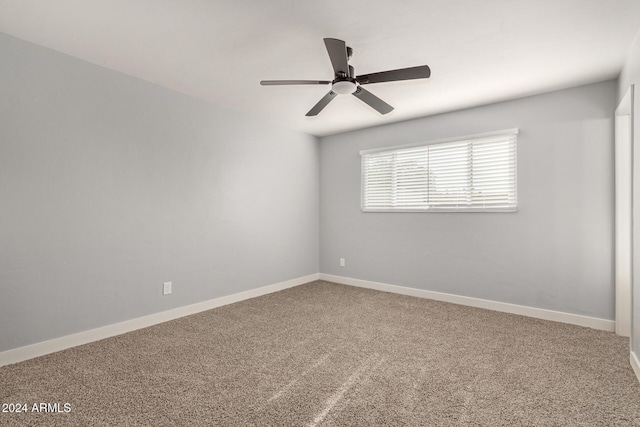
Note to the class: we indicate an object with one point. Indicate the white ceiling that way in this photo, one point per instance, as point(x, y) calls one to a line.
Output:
point(479, 51)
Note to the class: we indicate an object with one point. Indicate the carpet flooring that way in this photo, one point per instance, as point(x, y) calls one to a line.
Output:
point(324, 354)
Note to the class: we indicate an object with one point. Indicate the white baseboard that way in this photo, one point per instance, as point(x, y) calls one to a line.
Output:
point(635, 364)
point(538, 313)
point(57, 344)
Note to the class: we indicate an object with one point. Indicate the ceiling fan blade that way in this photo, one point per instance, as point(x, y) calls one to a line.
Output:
point(373, 101)
point(420, 72)
point(293, 82)
point(338, 54)
point(321, 104)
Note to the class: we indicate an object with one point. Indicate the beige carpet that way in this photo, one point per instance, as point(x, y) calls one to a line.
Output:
point(331, 355)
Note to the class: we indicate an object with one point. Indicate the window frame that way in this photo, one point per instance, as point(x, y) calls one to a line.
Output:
point(474, 209)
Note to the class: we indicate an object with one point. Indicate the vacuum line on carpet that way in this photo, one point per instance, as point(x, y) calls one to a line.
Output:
point(304, 373)
point(371, 364)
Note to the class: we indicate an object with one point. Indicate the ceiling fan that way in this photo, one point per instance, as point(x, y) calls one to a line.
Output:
point(345, 80)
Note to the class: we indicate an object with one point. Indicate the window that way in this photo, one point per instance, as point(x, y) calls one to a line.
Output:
point(471, 174)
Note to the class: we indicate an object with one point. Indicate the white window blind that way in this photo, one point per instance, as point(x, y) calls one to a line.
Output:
point(472, 174)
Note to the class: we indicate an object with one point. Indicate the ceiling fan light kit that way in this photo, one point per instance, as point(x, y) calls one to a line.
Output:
point(343, 87)
point(345, 81)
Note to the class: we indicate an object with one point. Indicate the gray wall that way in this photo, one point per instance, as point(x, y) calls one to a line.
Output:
point(630, 75)
point(555, 253)
point(110, 185)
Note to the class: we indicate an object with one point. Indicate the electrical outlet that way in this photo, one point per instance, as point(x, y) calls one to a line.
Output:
point(342, 262)
point(166, 288)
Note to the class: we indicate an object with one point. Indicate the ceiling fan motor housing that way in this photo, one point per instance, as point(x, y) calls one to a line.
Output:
point(345, 84)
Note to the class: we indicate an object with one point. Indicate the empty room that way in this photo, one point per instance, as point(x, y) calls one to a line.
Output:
point(296, 213)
